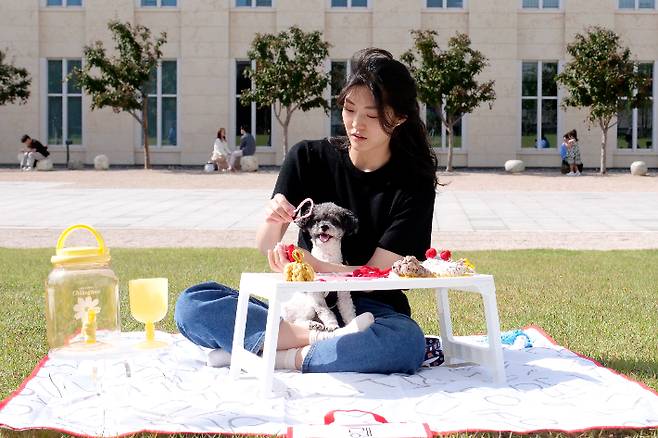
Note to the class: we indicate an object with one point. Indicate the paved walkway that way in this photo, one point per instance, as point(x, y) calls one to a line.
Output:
point(33, 213)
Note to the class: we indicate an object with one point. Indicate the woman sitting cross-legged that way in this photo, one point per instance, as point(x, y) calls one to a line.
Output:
point(384, 171)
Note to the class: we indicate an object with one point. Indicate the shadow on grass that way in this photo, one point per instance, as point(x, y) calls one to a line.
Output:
point(639, 369)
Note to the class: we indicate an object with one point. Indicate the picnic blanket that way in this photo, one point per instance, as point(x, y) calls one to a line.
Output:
point(172, 390)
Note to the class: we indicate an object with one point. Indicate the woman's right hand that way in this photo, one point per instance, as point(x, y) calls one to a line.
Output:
point(279, 210)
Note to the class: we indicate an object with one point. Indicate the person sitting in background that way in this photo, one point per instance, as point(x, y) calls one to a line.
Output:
point(220, 151)
point(33, 152)
point(247, 147)
point(543, 143)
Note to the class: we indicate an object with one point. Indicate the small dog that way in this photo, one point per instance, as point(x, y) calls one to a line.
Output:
point(326, 225)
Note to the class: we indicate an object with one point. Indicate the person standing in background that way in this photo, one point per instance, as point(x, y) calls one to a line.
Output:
point(564, 168)
point(573, 154)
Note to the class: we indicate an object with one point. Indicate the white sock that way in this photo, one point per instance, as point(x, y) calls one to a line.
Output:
point(218, 358)
point(358, 324)
point(285, 359)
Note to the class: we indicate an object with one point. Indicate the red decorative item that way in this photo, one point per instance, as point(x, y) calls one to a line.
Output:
point(445, 255)
point(430, 253)
point(289, 250)
point(370, 271)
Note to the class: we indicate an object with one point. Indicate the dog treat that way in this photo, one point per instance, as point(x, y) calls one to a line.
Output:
point(444, 266)
point(370, 271)
point(410, 267)
point(298, 270)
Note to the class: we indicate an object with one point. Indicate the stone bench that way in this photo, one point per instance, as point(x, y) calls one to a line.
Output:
point(639, 168)
point(514, 166)
point(101, 162)
point(45, 164)
point(249, 163)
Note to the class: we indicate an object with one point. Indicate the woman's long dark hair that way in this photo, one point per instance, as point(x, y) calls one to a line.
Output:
point(392, 86)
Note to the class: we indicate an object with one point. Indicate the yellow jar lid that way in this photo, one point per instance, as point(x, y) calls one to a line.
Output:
point(80, 254)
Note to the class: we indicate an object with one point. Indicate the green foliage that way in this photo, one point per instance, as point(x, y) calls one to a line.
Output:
point(14, 82)
point(121, 81)
point(446, 79)
point(289, 73)
point(602, 77)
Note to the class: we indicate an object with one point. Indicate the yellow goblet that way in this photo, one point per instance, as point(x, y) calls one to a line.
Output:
point(148, 305)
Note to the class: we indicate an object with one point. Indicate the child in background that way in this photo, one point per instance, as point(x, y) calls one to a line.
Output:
point(573, 153)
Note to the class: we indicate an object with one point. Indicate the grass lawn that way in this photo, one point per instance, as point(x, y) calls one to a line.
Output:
point(600, 304)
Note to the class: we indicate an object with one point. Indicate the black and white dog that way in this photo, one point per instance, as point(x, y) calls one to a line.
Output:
point(326, 225)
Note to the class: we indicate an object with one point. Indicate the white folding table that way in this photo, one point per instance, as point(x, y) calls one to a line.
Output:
point(276, 290)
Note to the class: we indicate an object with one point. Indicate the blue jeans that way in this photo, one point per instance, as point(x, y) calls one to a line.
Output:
point(205, 314)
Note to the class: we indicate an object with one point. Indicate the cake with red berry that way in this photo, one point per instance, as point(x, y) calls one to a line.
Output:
point(441, 264)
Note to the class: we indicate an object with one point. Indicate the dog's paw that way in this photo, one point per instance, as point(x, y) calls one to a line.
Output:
point(330, 327)
point(315, 325)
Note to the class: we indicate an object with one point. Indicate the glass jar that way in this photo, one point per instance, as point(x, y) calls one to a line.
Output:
point(82, 297)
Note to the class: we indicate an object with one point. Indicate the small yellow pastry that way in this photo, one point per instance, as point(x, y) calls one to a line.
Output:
point(298, 270)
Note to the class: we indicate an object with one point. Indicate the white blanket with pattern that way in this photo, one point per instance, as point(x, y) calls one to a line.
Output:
point(549, 387)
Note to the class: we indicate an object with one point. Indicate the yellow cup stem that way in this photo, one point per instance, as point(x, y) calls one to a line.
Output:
point(150, 331)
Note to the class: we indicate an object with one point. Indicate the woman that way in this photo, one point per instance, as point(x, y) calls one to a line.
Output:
point(220, 151)
point(385, 172)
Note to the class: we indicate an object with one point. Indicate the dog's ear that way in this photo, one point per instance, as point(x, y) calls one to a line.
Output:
point(350, 222)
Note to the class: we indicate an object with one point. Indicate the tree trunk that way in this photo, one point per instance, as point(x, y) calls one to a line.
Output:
point(450, 132)
point(145, 133)
point(604, 141)
point(285, 125)
point(285, 137)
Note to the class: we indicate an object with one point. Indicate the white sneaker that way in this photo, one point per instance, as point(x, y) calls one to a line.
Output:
point(218, 358)
point(577, 174)
point(571, 174)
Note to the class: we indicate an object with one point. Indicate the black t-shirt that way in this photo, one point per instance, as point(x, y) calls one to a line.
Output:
point(38, 147)
point(393, 208)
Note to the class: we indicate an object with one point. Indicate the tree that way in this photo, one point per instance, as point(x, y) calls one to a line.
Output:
point(602, 77)
point(289, 74)
point(14, 82)
point(122, 81)
point(446, 79)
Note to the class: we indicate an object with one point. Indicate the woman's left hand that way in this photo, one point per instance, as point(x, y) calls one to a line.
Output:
point(278, 258)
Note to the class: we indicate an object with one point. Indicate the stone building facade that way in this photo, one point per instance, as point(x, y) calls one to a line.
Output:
point(198, 82)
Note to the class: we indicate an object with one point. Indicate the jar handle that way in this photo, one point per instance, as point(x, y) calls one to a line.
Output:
point(66, 232)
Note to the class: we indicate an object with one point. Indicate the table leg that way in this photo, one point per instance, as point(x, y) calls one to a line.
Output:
point(488, 291)
point(445, 324)
point(269, 347)
point(238, 334)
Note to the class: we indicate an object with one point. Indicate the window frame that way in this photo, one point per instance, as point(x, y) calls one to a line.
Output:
point(633, 149)
point(232, 130)
point(65, 95)
point(330, 91)
point(349, 6)
point(635, 8)
point(158, 5)
point(158, 115)
point(444, 6)
point(252, 6)
point(541, 7)
point(64, 5)
point(539, 97)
